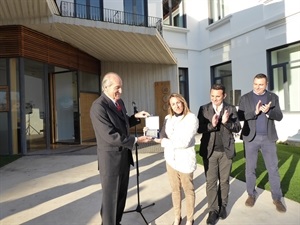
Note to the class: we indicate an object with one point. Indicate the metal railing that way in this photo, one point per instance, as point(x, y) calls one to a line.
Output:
point(70, 9)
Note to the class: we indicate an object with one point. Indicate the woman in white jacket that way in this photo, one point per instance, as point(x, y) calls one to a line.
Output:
point(177, 137)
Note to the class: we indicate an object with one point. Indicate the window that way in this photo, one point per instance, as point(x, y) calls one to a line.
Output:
point(81, 9)
point(222, 74)
point(89, 82)
point(4, 98)
point(184, 83)
point(284, 77)
point(217, 10)
point(174, 13)
point(95, 7)
point(136, 12)
point(89, 9)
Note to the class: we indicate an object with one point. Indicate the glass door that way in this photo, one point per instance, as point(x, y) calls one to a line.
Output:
point(34, 76)
point(64, 107)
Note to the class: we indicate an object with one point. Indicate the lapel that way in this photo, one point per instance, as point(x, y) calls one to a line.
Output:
point(113, 107)
point(211, 110)
point(251, 103)
point(269, 98)
point(225, 107)
point(123, 111)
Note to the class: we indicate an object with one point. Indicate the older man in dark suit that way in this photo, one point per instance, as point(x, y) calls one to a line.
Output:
point(114, 144)
point(217, 122)
point(259, 109)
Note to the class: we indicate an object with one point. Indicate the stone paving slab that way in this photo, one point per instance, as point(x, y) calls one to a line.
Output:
point(65, 189)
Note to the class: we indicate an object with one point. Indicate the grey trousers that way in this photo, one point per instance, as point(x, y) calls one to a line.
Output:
point(217, 171)
point(269, 153)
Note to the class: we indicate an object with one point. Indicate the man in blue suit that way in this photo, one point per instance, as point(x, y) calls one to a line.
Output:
point(114, 144)
point(259, 109)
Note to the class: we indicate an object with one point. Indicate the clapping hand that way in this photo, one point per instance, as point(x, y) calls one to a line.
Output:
point(262, 107)
point(265, 107)
point(258, 107)
point(225, 117)
point(215, 120)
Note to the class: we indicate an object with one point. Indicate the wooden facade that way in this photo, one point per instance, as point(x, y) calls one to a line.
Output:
point(20, 41)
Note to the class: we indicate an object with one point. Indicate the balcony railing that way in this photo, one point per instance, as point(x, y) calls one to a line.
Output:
point(70, 9)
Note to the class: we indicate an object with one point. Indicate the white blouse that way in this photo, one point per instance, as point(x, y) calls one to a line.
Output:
point(179, 147)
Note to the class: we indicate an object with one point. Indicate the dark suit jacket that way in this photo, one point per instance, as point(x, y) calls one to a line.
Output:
point(114, 142)
point(205, 115)
point(247, 114)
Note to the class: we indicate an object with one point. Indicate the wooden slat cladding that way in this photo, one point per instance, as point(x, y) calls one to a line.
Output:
point(10, 41)
point(85, 63)
point(16, 41)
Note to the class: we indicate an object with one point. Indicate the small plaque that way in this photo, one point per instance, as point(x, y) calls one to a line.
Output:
point(152, 123)
point(152, 133)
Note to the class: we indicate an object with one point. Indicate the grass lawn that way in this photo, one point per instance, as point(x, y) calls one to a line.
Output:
point(289, 169)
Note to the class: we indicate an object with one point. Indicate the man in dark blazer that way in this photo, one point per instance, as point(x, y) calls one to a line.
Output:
point(114, 145)
point(217, 122)
point(259, 109)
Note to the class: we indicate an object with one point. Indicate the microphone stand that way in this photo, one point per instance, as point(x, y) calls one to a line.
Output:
point(139, 207)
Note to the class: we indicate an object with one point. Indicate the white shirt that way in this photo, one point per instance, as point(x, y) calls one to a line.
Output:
point(179, 147)
point(219, 108)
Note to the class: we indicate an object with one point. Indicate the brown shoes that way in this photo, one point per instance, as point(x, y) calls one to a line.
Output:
point(250, 201)
point(279, 206)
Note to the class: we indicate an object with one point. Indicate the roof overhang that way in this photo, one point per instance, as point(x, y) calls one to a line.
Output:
point(104, 41)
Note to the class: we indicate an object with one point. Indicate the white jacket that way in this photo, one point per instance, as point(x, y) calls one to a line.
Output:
point(179, 146)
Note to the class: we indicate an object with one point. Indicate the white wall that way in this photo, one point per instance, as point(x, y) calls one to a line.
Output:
point(155, 8)
point(138, 82)
point(243, 38)
point(113, 4)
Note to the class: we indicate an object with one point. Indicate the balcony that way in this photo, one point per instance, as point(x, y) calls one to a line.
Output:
point(98, 34)
point(70, 9)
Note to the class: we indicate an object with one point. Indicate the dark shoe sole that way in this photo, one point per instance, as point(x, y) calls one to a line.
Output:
point(223, 217)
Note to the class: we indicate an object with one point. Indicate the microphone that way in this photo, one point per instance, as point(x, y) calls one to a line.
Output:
point(134, 108)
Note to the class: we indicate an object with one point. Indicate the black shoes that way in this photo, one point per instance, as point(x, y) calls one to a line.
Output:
point(212, 218)
point(223, 213)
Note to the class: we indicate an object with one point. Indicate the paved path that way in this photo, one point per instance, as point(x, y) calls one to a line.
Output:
point(64, 189)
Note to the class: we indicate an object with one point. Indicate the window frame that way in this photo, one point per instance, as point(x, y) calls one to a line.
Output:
point(286, 101)
point(184, 83)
